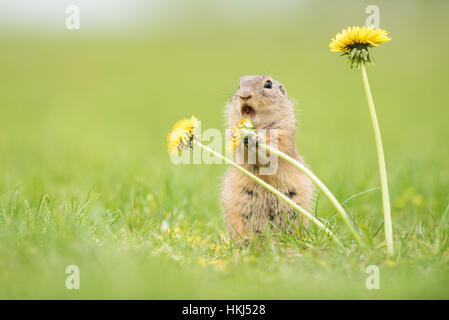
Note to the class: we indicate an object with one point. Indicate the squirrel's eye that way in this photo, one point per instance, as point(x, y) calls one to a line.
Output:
point(268, 84)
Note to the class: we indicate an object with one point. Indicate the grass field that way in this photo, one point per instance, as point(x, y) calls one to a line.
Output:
point(85, 178)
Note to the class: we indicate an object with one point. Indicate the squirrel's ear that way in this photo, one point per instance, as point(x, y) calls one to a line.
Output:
point(281, 87)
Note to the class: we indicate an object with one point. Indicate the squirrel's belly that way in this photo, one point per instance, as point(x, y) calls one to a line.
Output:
point(250, 208)
point(262, 209)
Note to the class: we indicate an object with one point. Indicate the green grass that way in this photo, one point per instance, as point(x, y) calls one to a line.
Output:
point(85, 178)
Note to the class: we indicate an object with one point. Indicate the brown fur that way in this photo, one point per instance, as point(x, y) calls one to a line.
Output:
point(249, 206)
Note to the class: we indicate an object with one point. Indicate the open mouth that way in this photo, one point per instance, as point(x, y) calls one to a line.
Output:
point(248, 111)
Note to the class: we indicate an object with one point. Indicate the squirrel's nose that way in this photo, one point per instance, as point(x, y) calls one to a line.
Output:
point(244, 95)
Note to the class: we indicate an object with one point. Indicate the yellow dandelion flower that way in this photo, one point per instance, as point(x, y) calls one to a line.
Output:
point(182, 135)
point(245, 123)
point(235, 139)
point(355, 41)
point(236, 134)
point(352, 37)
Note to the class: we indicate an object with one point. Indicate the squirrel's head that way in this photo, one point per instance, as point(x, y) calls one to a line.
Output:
point(262, 98)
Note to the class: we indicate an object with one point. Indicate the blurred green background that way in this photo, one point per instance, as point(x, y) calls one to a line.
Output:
point(85, 178)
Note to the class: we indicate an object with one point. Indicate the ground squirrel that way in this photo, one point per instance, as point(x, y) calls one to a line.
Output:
point(248, 206)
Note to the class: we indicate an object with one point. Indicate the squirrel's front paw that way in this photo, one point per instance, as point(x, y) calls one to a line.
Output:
point(251, 141)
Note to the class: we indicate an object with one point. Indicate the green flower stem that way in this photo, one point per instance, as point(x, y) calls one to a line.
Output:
point(273, 190)
point(382, 167)
point(320, 185)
